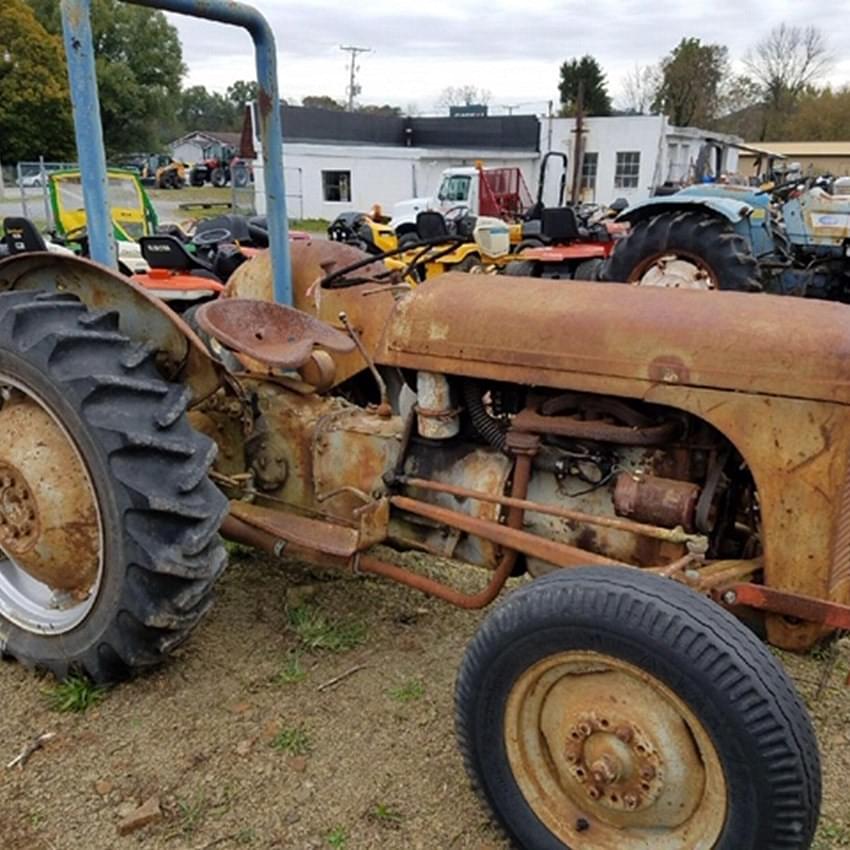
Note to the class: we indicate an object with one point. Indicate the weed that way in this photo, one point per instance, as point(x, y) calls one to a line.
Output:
point(411, 690)
point(246, 836)
point(293, 741)
point(318, 631)
point(386, 815)
point(75, 695)
point(238, 550)
point(292, 671)
point(831, 836)
point(337, 838)
point(192, 812)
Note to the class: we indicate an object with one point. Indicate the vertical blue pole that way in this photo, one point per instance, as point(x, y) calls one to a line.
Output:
point(268, 108)
point(79, 50)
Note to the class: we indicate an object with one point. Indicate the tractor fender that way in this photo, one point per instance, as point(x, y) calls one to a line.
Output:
point(141, 317)
point(731, 209)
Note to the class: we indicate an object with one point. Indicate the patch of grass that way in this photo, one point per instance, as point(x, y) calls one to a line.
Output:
point(830, 836)
point(246, 836)
point(386, 815)
point(192, 812)
point(317, 631)
point(312, 225)
point(75, 695)
point(409, 691)
point(338, 838)
point(293, 741)
point(238, 550)
point(292, 672)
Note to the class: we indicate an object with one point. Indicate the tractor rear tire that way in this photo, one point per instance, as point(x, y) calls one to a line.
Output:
point(605, 707)
point(158, 551)
point(702, 239)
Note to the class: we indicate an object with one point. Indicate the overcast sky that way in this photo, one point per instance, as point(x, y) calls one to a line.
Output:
point(510, 47)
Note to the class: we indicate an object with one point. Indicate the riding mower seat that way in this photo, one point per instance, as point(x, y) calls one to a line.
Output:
point(559, 225)
point(431, 224)
point(22, 236)
point(164, 251)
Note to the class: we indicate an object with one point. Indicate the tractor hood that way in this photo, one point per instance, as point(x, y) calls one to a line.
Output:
point(560, 334)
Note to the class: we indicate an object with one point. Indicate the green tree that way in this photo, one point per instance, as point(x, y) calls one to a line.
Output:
point(242, 92)
point(322, 101)
point(35, 116)
point(586, 73)
point(139, 67)
point(820, 116)
point(201, 109)
point(693, 76)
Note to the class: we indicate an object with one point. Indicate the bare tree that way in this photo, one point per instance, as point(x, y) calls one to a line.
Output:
point(786, 61)
point(467, 95)
point(639, 89)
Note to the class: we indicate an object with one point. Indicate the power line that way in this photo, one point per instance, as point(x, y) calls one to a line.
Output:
point(353, 89)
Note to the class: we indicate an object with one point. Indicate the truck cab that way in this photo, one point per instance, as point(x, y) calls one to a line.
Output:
point(459, 187)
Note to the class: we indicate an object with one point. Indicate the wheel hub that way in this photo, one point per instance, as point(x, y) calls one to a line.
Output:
point(50, 530)
point(674, 272)
point(615, 765)
point(599, 747)
point(19, 525)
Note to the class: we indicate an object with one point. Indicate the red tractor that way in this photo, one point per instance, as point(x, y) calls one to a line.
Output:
point(219, 166)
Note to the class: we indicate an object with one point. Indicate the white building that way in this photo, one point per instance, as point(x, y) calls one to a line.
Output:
point(190, 148)
point(339, 162)
point(629, 156)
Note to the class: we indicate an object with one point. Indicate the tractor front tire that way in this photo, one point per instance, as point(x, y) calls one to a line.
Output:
point(145, 513)
point(606, 707)
point(721, 258)
point(218, 178)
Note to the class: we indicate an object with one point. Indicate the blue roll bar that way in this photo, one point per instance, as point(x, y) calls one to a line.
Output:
point(76, 24)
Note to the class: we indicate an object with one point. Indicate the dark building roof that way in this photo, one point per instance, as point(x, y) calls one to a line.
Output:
point(507, 132)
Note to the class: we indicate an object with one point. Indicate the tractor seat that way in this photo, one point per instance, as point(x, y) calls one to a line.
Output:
point(165, 251)
point(559, 224)
point(22, 236)
point(273, 334)
point(431, 224)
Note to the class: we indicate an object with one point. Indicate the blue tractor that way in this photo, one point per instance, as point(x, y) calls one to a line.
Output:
point(788, 239)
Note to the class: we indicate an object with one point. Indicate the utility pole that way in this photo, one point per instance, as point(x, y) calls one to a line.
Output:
point(353, 88)
point(578, 150)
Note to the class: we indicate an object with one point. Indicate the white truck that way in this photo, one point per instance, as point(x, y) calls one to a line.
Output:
point(471, 190)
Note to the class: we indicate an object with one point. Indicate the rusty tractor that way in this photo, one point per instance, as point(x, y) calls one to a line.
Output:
point(666, 473)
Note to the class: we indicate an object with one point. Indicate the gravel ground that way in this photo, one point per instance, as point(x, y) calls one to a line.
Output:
point(240, 748)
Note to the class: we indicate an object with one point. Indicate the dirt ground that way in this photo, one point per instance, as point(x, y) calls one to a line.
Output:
point(242, 749)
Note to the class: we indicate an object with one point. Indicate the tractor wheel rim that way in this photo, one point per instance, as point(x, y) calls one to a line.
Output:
point(678, 270)
point(606, 755)
point(51, 532)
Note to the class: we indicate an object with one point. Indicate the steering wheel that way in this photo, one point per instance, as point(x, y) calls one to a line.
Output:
point(78, 234)
point(208, 238)
point(455, 214)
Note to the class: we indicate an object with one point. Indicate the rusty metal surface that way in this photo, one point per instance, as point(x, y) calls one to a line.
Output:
point(519, 488)
point(437, 418)
point(273, 334)
point(655, 500)
point(310, 534)
point(141, 317)
point(830, 614)
point(770, 345)
point(48, 517)
point(671, 535)
point(592, 429)
point(601, 748)
point(481, 469)
point(555, 553)
point(312, 259)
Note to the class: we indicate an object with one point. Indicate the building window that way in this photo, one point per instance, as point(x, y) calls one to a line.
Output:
point(628, 170)
point(589, 165)
point(336, 186)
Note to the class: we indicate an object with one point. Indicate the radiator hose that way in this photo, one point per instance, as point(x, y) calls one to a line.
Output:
point(490, 429)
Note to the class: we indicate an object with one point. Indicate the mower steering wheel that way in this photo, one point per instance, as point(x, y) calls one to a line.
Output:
point(455, 214)
point(208, 238)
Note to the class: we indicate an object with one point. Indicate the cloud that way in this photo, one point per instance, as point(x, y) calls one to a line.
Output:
point(510, 47)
